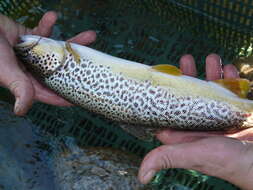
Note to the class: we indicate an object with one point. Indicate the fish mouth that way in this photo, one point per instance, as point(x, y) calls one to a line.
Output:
point(27, 42)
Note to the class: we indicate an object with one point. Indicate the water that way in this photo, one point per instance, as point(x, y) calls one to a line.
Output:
point(23, 154)
point(31, 161)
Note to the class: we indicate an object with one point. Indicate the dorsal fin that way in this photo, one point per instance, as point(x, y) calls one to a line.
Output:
point(241, 87)
point(168, 69)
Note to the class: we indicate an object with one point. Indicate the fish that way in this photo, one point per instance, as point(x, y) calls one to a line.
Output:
point(141, 98)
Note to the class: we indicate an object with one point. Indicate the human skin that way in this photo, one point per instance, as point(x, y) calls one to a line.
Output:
point(225, 155)
point(13, 75)
point(228, 156)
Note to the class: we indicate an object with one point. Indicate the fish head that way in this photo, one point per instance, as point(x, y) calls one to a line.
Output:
point(41, 55)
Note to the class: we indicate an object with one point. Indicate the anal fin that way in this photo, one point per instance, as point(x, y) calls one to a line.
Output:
point(140, 132)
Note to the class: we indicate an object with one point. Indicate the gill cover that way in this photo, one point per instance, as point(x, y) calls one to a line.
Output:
point(42, 55)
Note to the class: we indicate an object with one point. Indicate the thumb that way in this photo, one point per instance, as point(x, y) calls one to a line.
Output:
point(13, 78)
point(23, 92)
point(216, 156)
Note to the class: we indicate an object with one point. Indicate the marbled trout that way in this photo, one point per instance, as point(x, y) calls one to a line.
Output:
point(140, 96)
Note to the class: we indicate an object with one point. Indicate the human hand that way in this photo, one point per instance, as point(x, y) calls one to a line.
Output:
point(13, 75)
point(213, 153)
point(214, 71)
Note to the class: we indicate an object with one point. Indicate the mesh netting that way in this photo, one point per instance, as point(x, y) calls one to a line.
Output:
point(26, 12)
point(151, 32)
point(227, 22)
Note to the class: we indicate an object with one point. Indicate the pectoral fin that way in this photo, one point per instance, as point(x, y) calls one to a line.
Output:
point(168, 69)
point(73, 52)
point(241, 87)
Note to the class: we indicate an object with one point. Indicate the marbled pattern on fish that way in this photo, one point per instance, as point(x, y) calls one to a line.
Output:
point(133, 93)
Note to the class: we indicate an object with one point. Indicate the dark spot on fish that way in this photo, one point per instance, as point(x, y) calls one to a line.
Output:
point(177, 112)
point(72, 65)
point(88, 72)
point(151, 91)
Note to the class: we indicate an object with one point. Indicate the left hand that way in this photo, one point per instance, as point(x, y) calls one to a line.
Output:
point(228, 156)
point(14, 76)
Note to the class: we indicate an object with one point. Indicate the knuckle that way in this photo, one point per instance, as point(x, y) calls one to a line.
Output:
point(13, 86)
point(167, 161)
point(166, 158)
point(17, 86)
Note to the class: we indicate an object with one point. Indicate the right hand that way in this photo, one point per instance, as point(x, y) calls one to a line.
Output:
point(14, 76)
point(224, 155)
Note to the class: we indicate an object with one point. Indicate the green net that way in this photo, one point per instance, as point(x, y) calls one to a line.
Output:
point(228, 23)
point(151, 32)
point(26, 12)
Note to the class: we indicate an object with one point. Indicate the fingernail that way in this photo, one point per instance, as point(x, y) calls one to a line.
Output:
point(148, 176)
point(17, 106)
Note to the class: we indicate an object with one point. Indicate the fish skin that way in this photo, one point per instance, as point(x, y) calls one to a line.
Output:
point(133, 93)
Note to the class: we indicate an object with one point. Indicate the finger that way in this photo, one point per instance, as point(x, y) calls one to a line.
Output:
point(46, 24)
point(23, 92)
point(217, 156)
point(213, 67)
point(84, 38)
point(171, 137)
point(10, 29)
point(244, 135)
point(12, 77)
point(230, 71)
point(46, 95)
point(188, 66)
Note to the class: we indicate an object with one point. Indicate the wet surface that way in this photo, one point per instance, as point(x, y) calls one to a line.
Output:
point(29, 161)
point(95, 168)
point(23, 154)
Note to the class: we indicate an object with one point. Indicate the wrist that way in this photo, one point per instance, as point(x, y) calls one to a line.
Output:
point(242, 174)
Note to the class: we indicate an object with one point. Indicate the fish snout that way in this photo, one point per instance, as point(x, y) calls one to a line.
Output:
point(40, 54)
